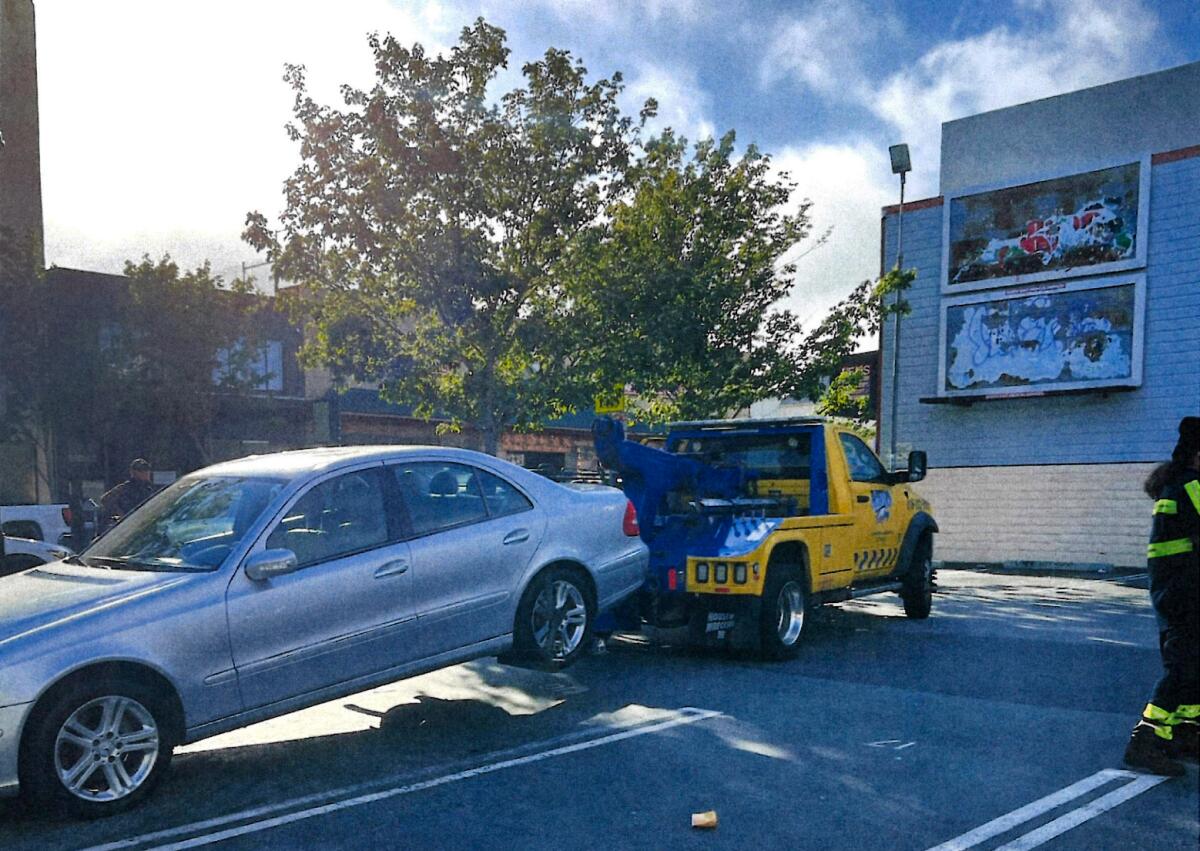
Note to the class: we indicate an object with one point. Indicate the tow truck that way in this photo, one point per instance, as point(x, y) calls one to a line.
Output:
point(752, 523)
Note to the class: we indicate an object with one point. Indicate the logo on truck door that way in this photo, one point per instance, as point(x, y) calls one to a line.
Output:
point(881, 502)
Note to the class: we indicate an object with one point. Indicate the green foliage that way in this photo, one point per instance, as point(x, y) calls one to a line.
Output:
point(677, 296)
point(840, 399)
point(429, 227)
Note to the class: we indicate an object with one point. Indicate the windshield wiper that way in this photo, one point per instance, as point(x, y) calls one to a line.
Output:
point(126, 563)
point(75, 559)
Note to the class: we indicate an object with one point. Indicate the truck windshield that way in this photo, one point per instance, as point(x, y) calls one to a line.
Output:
point(773, 456)
point(192, 525)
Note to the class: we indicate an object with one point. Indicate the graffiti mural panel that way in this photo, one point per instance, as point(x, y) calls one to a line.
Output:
point(1081, 224)
point(1065, 339)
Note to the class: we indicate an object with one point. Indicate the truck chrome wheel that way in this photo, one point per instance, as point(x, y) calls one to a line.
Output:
point(559, 619)
point(106, 749)
point(791, 613)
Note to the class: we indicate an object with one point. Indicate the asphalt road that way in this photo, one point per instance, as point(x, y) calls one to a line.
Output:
point(997, 723)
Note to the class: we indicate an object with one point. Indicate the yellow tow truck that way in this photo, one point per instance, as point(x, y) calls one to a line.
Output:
point(751, 523)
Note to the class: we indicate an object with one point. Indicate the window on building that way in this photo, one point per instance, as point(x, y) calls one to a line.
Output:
point(261, 367)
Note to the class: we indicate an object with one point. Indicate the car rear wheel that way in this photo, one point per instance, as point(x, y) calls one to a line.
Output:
point(917, 592)
point(784, 610)
point(554, 619)
point(98, 749)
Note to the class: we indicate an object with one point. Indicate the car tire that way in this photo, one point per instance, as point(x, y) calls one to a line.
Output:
point(917, 591)
point(554, 619)
point(131, 742)
point(784, 612)
point(17, 562)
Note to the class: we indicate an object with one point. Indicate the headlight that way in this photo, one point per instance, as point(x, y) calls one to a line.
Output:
point(739, 573)
point(701, 571)
point(721, 573)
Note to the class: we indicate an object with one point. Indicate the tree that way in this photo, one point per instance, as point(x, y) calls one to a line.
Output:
point(140, 379)
point(681, 293)
point(430, 228)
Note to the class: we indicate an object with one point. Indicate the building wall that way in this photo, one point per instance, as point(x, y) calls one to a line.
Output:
point(1092, 514)
point(1053, 135)
point(1056, 478)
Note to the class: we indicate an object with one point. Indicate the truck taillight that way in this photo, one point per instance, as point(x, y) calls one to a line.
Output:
point(630, 524)
point(672, 580)
point(66, 515)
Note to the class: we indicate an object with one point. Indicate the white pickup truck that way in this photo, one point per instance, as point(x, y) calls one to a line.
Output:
point(49, 523)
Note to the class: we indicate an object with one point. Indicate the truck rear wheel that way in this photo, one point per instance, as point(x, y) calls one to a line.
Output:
point(784, 607)
point(917, 592)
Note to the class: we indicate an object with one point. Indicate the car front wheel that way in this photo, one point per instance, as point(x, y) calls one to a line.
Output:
point(98, 749)
point(554, 619)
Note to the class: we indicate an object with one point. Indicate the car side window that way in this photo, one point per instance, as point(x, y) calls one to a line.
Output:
point(439, 495)
point(500, 497)
point(338, 517)
point(864, 466)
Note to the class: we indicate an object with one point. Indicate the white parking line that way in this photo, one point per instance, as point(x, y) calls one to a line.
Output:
point(686, 715)
point(1139, 783)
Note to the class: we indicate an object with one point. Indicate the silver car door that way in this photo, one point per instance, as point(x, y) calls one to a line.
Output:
point(346, 612)
point(469, 550)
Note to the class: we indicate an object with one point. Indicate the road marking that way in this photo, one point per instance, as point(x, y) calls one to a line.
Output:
point(1077, 817)
point(1140, 783)
point(686, 715)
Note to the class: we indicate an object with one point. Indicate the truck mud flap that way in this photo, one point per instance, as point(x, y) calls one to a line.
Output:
point(724, 622)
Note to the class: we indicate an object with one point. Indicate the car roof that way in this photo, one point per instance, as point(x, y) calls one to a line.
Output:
point(297, 463)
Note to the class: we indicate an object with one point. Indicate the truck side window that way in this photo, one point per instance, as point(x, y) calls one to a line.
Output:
point(864, 466)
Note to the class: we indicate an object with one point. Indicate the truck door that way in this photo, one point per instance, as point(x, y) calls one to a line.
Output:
point(875, 542)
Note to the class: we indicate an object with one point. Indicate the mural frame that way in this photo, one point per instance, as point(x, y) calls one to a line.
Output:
point(1137, 345)
point(1141, 236)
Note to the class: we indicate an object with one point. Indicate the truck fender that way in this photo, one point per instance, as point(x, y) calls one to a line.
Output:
point(921, 524)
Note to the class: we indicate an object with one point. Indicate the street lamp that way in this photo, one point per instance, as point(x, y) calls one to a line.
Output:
point(901, 165)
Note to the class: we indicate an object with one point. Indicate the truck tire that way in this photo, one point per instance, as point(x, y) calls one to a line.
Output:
point(784, 610)
point(98, 748)
point(917, 592)
point(16, 562)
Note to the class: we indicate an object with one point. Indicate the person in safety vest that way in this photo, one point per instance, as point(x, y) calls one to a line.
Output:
point(1170, 724)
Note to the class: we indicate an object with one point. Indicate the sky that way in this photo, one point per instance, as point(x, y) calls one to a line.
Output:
point(162, 122)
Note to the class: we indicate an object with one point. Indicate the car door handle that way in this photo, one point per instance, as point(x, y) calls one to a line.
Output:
point(862, 497)
point(392, 568)
point(516, 536)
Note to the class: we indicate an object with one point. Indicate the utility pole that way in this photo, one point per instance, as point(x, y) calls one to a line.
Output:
point(901, 165)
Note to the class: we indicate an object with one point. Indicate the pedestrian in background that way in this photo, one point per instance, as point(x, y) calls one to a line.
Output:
point(128, 495)
point(1170, 723)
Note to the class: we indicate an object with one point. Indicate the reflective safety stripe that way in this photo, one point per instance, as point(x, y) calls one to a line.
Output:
point(1169, 548)
point(1156, 713)
point(1193, 490)
point(1188, 712)
point(1166, 506)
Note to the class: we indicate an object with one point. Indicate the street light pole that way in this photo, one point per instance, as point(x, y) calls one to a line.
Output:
point(901, 165)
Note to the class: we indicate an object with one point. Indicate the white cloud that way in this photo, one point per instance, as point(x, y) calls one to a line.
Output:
point(162, 123)
point(682, 102)
point(848, 184)
point(623, 13)
point(823, 47)
point(1058, 48)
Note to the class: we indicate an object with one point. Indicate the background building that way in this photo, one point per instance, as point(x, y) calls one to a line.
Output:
point(1054, 340)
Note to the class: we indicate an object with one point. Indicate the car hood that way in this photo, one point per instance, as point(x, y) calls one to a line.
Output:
point(45, 596)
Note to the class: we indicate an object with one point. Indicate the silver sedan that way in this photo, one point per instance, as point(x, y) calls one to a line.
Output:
point(260, 586)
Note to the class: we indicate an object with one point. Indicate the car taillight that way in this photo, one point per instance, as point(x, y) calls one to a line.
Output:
point(630, 524)
point(66, 514)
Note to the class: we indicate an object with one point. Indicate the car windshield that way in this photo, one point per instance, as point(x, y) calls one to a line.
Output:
point(192, 525)
point(774, 456)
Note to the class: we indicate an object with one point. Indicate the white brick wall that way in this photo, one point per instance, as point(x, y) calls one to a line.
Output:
point(1066, 514)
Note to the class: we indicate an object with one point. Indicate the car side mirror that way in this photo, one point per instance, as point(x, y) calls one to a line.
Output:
point(918, 465)
point(270, 563)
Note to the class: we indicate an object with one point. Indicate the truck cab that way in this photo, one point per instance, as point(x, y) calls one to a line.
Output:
point(751, 523)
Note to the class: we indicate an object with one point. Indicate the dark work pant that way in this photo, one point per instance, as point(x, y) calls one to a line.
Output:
point(1175, 593)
